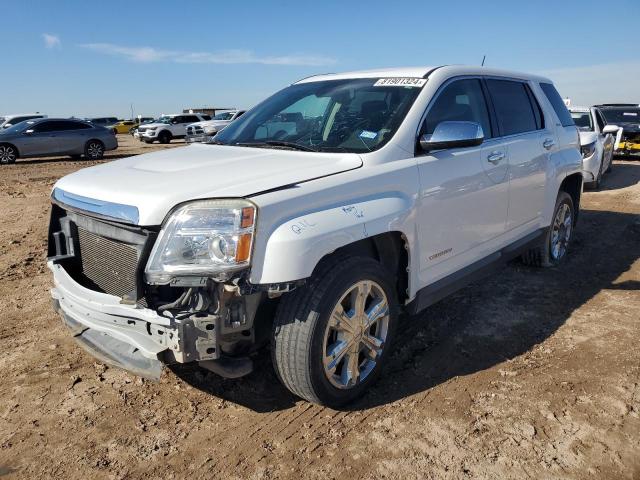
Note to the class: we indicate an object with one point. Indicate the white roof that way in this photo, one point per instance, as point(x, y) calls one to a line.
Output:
point(420, 72)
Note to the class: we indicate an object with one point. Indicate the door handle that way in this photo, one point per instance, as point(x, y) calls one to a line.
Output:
point(495, 157)
point(548, 144)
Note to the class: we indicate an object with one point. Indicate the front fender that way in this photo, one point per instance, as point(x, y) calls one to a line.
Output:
point(296, 246)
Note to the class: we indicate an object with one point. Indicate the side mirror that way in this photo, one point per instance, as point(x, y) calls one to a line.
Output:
point(28, 132)
point(453, 135)
point(610, 129)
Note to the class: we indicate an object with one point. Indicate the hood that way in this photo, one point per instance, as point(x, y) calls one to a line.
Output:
point(153, 125)
point(628, 126)
point(154, 183)
point(212, 123)
point(587, 137)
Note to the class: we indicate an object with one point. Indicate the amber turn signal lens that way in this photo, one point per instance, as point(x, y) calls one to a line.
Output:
point(247, 217)
point(243, 249)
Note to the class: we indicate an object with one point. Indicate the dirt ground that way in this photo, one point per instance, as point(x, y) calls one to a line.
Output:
point(530, 374)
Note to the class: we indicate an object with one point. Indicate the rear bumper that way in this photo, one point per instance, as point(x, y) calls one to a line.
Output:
point(111, 143)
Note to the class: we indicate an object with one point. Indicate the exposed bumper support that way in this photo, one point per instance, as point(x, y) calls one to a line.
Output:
point(112, 351)
point(136, 339)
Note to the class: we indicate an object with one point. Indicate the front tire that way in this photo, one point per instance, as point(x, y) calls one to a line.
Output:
point(332, 336)
point(8, 154)
point(558, 238)
point(164, 137)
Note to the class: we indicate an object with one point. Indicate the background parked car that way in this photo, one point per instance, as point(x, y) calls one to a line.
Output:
point(125, 126)
point(597, 142)
point(7, 121)
point(103, 121)
point(626, 116)
point(168, 127)
point(204, 131)
point(55, 136)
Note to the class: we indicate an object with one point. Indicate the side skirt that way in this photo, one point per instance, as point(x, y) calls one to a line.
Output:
point(446, 286)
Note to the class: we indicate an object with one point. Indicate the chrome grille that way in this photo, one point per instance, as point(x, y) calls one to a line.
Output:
point(110, 265)
point(195, 130)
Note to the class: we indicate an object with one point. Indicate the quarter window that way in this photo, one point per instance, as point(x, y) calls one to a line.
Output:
point(461, 100)
point(558, 104)
point(513, 107)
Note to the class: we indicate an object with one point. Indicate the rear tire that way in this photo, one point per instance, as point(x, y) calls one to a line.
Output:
point(554, 249)
point(164, 137)
point(8, 154)
point(331, 337)
point(94, 150)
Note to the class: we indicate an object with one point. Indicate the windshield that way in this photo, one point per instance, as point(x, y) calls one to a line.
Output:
point(223, 116)
point(2, 119)
point(18, 127)
point(621, 115)
point(353, 115)
point(582, 121)
point(163, 120)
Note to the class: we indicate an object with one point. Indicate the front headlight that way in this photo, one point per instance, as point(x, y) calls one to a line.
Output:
point(588, 150)
point(210, 130)
point(203, 238)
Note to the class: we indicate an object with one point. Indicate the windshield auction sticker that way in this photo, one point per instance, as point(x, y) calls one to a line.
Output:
point(400, 82)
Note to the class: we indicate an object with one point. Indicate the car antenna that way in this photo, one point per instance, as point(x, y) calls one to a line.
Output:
point(483, 58)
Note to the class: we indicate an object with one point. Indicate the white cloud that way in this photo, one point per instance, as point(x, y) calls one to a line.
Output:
point(51, 41)
point(603, 83)
point(150, 54)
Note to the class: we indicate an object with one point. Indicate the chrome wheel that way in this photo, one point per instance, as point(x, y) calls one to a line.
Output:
point(7, 154)
point(356, 334)
point(561, 231)
point(95, 150)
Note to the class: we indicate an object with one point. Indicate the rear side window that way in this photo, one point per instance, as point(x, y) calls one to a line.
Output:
point(558, 104)
point(512, 103)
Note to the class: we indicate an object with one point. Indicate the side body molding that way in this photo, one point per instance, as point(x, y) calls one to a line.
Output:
point(310, 237)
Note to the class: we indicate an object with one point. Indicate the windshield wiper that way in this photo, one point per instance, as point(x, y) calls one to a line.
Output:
point(278, 143)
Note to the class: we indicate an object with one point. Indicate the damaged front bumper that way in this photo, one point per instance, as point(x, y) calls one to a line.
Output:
point(129, 336)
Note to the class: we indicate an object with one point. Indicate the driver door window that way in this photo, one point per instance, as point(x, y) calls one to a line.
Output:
point(462, 100)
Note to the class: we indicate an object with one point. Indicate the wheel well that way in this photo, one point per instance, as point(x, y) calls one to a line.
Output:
point(573, 186)
point(93, 140)
point(390, 249)
point(11, 145)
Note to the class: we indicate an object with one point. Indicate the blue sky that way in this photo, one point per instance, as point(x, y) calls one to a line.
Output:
point(89, 58)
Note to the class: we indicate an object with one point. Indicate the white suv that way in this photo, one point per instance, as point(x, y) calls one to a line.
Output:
point(168, 127)
point(205, 131)
point(597, 143)
point(7, 121)
point(313, 220)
